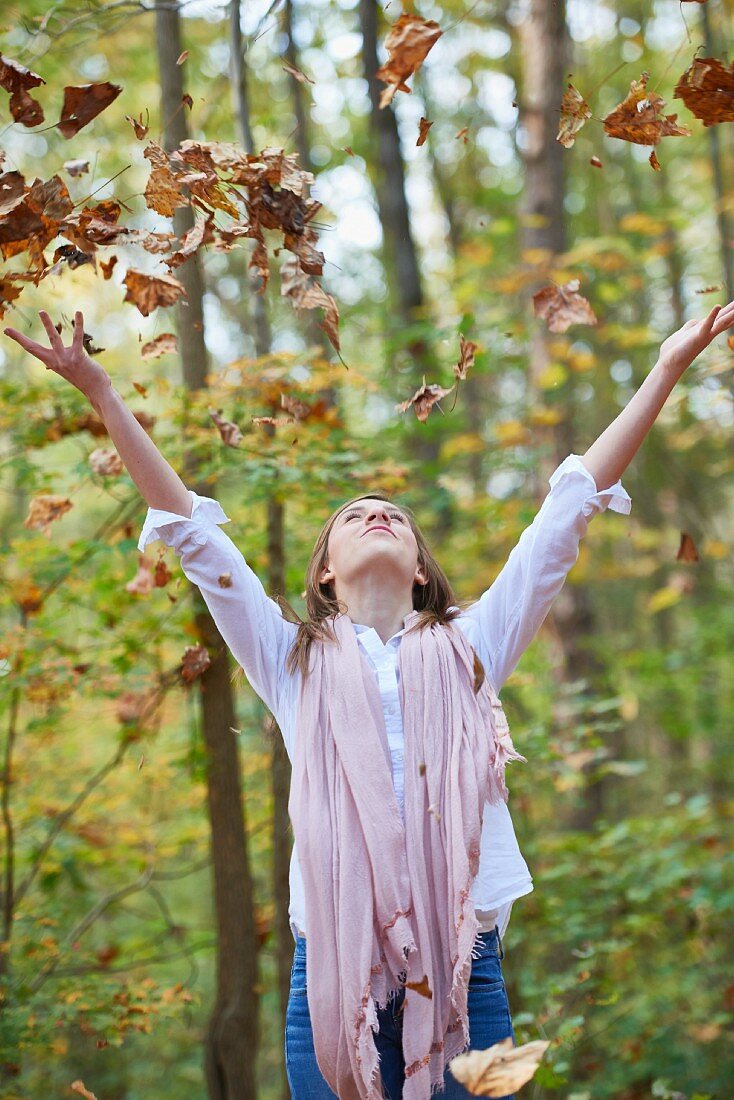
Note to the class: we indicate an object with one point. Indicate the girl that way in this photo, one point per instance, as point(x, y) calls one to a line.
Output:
point(405, 866)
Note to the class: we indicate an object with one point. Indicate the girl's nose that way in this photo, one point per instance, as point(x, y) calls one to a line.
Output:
point(378, 513)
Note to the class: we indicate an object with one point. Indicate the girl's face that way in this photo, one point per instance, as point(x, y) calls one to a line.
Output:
point(372, 536)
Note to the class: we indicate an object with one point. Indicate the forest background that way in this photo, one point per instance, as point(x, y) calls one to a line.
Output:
point(145, 839)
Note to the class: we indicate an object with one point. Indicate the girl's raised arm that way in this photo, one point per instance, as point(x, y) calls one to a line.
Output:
point(251, 624)
point(159, 484)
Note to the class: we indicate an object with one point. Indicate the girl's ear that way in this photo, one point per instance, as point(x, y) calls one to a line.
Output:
point(420, 577)
point(326, 575)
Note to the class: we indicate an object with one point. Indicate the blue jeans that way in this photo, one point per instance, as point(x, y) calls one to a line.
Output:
point(489, 1023)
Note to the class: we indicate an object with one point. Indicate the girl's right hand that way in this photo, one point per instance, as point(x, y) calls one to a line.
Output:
point(71, 363)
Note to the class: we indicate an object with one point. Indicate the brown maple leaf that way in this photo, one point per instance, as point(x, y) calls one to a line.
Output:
point(76, 167)
point(707, 89)
point(44, 510)
point(562, 306)
point(574, 113)
point(638, 117)
point(165, 344)
point(423, 400)
point(148, 292)
point(163, 191)
point(407, 44)
point(500, 1069)
point(16, 79)
point(228, 430)
point(466, 357)
point(84, 102)
point(195, 662)
point(423, 127)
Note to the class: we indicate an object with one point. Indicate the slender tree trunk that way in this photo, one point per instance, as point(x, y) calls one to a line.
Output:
point(233, 1034)
point(545, 47)
point(280, 773)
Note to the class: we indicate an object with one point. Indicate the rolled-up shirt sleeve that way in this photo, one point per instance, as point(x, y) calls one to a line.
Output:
point(250, 622)
point(509, 614)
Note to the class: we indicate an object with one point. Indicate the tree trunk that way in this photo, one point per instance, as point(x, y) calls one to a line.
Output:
point(280, 768)
point(545, 46)
point(233, 1034)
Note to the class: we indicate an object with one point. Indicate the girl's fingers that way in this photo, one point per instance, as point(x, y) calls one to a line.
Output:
point(78, 341)
point(31, 346)
point(56, 342)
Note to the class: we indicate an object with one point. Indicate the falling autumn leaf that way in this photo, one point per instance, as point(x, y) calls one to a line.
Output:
point(106, 463)
point(148, 292)
point(230, 433)
point(224, 580)
point(687, 550)
point(574, 113)
point(182, 57)
point(8, 293)
point(707, 89)
point(595, 162)
point(16, 79)
point(297, 74)
point(107, 266)
point(76, 167)
point(200, 234)
point(423, 400)
point(407, 44)
point(500, 1069)
point(466, 357)
point(141, 128)
point(187, 100)
point(423, 127)
point(195, 662)
point(462, 133)
point(654, 162)
point(274, 421)
point(163, 191)
point(307, 294)
point(562, 306)
point(296, 408)
point(84, 102)
point(143, 581)
point(421, 987)
point(44, 510)
point(638, 117)
point(165, 344)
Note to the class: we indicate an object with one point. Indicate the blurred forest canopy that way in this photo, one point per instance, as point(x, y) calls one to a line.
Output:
point(113, 897)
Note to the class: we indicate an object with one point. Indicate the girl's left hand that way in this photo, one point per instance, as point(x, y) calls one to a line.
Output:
point(680, 349)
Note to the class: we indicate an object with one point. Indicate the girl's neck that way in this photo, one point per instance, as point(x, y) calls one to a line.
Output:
point(382, 610)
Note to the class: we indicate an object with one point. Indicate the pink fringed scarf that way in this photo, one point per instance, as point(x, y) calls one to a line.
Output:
point(388, 903)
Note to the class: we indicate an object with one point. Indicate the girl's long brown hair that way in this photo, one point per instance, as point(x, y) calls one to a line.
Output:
point(435, 600)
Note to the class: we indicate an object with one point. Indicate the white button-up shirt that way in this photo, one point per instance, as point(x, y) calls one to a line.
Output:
point(500, 625)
